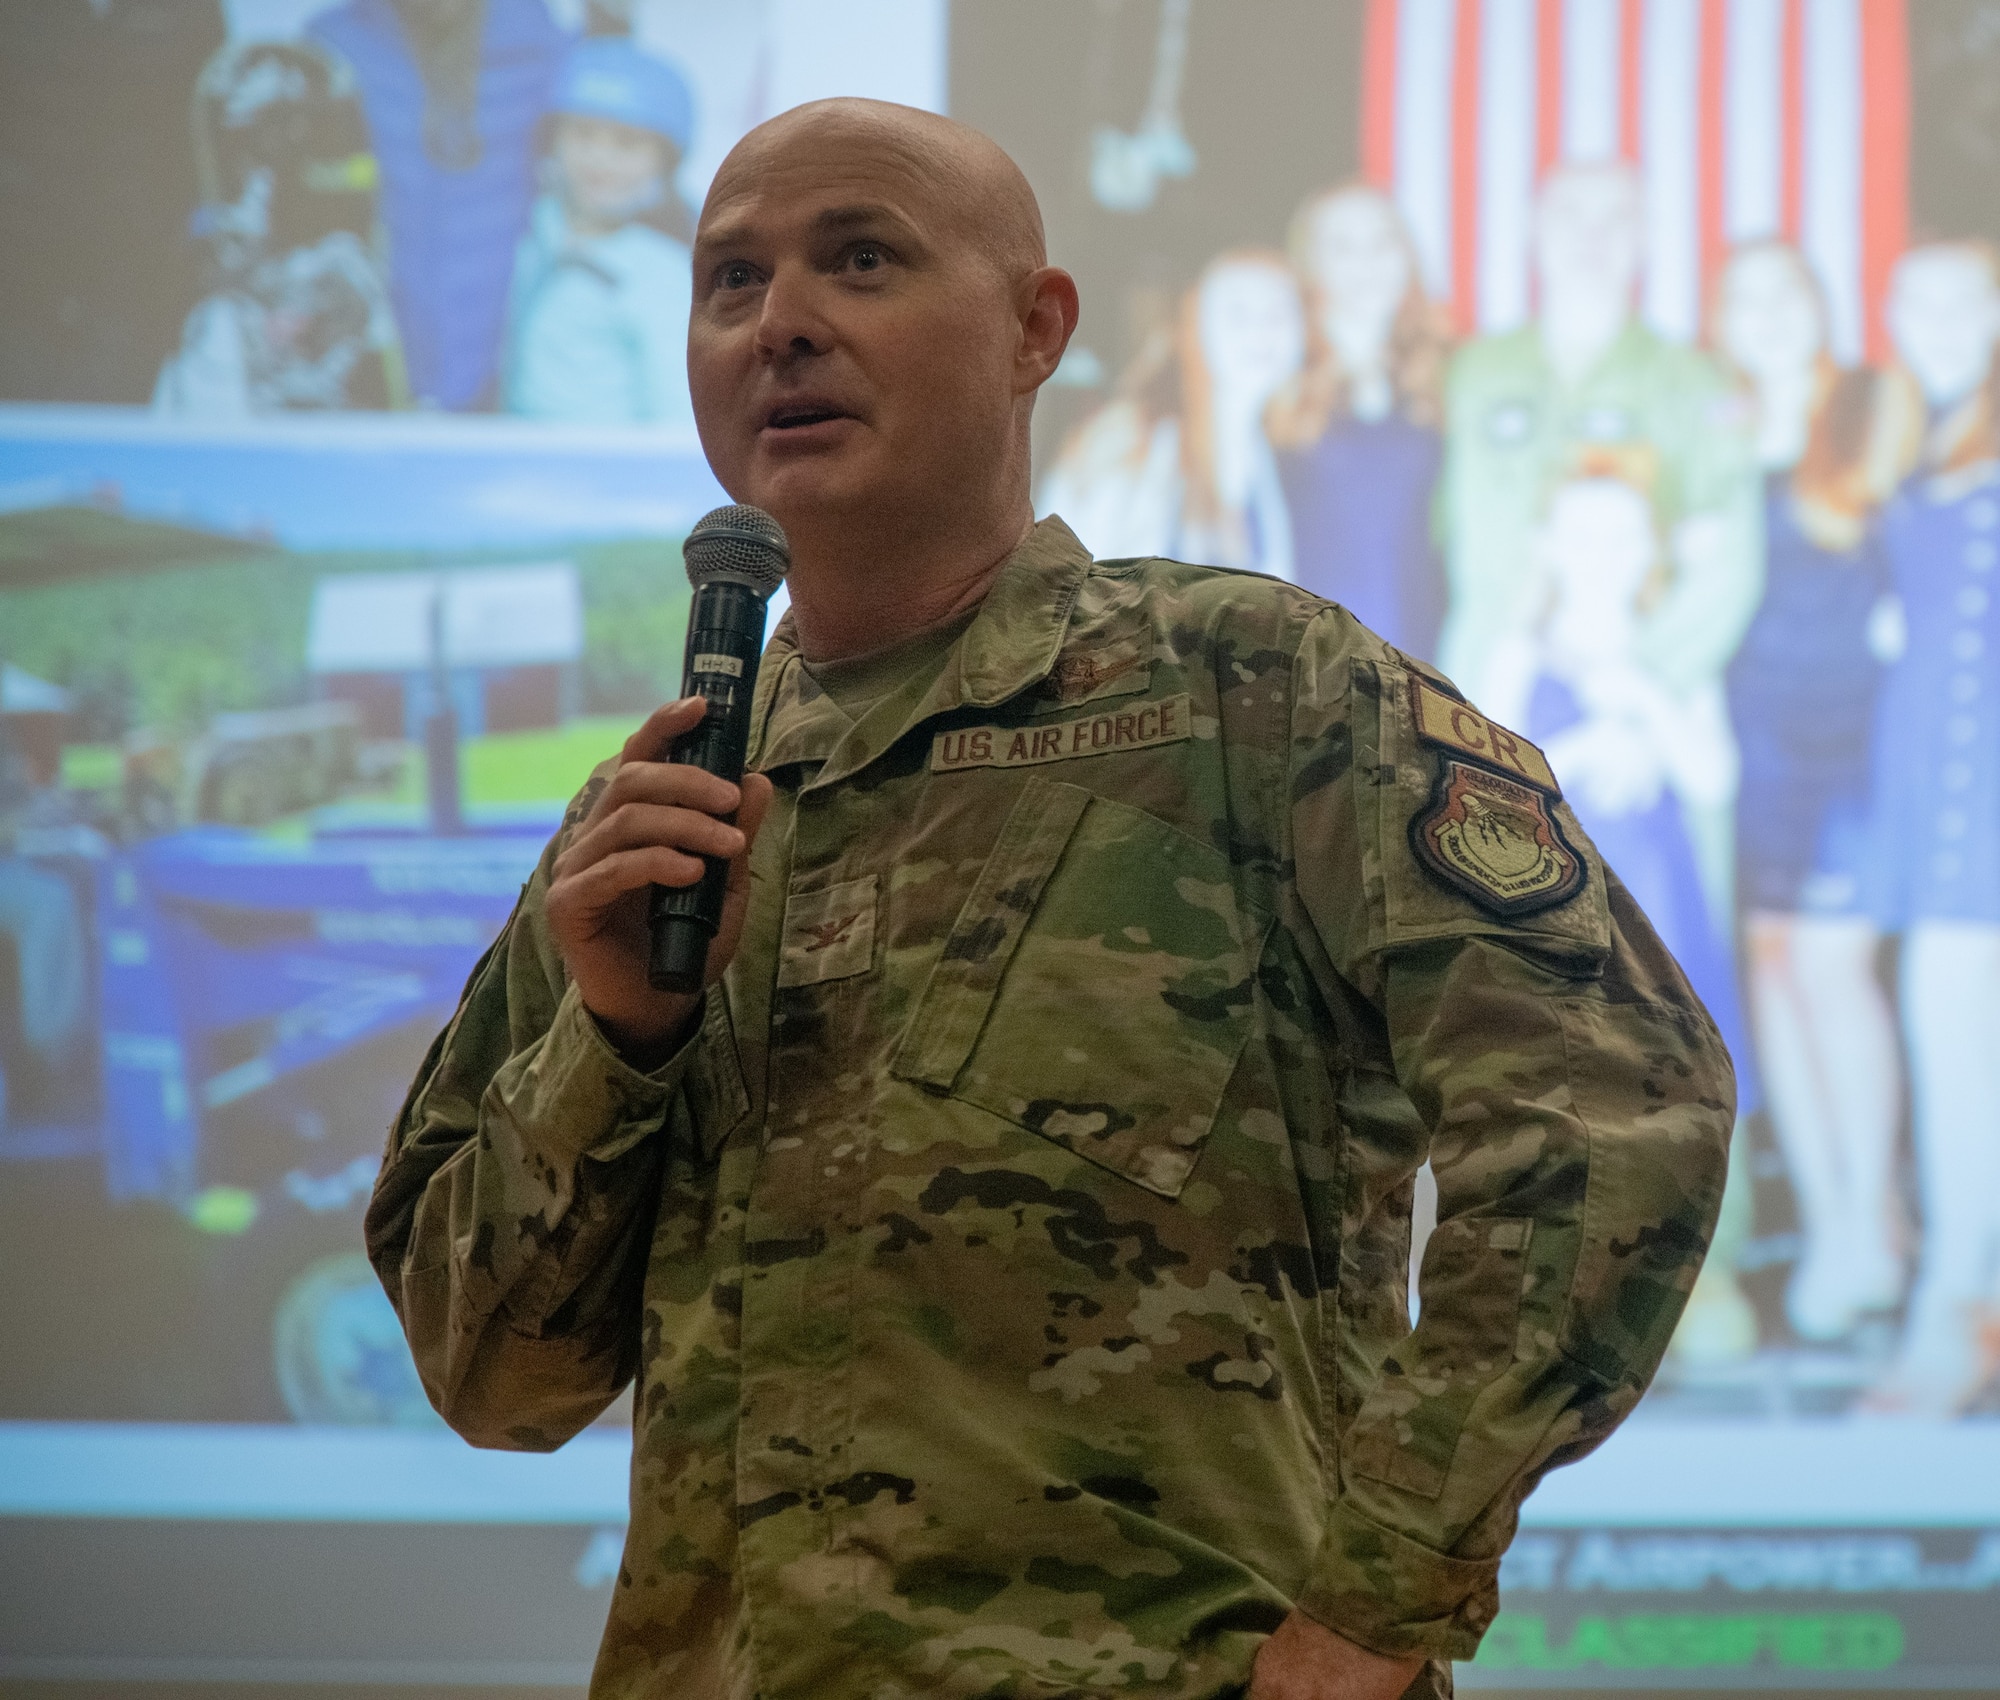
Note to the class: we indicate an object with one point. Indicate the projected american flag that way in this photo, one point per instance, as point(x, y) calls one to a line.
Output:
point(1746, 119)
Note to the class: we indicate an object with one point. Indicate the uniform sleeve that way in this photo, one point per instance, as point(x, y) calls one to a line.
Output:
point(513, 1215)
point(1577, 1102)
point(1718, 565)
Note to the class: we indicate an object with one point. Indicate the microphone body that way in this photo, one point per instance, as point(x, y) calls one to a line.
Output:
point(736, 557)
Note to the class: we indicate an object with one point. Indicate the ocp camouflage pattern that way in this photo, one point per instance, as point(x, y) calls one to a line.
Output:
point(1013, 1267)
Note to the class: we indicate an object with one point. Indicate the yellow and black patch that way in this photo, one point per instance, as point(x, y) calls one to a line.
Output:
point(1497, 841)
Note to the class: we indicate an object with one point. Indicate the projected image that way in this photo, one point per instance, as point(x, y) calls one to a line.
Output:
point(273, 779)
point(1634, 362)
point(309, 639)
point(1663, 436)
point(448, 206)
point(532, 251)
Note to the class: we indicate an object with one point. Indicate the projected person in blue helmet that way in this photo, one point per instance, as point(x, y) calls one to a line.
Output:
point(597, 330)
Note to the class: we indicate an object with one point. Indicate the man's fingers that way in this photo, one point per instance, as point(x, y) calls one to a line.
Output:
point(636, 826)
point(672, 784)
point(596, 887)
point(757, 794)
point(662, 726)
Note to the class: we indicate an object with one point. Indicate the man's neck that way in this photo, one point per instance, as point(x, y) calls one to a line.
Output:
point(849, 601)
point(1785, 398)
point(1578, 327)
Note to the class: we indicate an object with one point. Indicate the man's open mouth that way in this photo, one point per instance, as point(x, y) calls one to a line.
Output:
point(794, 416)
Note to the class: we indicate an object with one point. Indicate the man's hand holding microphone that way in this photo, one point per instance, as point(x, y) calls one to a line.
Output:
point(646, 902)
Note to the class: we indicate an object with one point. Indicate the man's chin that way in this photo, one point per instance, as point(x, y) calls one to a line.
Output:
point(804, 490)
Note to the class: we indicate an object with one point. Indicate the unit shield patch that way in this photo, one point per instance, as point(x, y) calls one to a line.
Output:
point(1496, 841)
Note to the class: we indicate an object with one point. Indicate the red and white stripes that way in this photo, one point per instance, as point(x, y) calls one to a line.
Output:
point(1746, 118)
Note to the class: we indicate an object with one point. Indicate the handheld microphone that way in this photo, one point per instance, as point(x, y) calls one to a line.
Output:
point(736, 557)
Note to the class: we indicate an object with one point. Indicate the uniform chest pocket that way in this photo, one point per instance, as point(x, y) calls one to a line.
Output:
point(1097, 987)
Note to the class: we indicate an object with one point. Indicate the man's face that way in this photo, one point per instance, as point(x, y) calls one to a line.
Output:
point(1358, 260)
point(1587, 230)
point(852, 349)
point(1768, 319)
point(609, 171)
point(1944, 317)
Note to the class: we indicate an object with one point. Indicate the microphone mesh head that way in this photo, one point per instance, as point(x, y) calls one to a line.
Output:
point(738, 542)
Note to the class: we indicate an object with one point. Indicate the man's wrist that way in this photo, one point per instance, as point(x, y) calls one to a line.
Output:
point(649, 1046)
point(1389, 1592)
point(1306, 1660)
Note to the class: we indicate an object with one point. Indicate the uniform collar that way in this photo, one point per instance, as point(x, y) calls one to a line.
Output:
point(1011, 645)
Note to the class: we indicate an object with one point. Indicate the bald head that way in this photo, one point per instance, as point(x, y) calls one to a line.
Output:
point(873, 315)
point(963, 182)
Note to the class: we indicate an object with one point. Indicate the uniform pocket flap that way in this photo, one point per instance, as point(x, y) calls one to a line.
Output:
point(960, 990)
point(1119, 996)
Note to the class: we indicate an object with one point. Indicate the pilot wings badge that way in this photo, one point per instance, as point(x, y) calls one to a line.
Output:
point(1497, 842)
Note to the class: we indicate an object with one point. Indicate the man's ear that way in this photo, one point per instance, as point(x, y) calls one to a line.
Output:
point(1047, 305)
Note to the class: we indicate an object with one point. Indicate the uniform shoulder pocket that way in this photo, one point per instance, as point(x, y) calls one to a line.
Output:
point(1096, 988)
point(1470, 833)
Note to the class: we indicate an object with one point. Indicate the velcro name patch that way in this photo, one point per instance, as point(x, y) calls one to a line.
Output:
point(1137, 727)
point(1459, 726)
point(829, 934)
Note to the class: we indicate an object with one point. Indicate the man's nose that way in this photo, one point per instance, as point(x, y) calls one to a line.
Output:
point(791, 326)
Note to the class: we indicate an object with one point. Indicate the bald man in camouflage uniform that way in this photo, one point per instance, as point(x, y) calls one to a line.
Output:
point(1010, 1247)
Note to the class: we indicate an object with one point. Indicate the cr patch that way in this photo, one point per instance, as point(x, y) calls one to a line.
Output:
point(1459, 726)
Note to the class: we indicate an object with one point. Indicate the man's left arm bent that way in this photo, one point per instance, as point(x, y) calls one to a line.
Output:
point(1577, 1102)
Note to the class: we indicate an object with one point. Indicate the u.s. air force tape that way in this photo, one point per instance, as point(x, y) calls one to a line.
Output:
point(1135, 727)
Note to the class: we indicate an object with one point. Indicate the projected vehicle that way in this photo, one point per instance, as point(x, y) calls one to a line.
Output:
point(220, 960)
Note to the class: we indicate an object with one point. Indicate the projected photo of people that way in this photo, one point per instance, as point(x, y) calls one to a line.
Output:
point(455, 92)
point(297, 315)
point(437, 206)
point(1356, 431)
point(1802, 690)
point(1588, 372)
point(597, 320)
point(1178, 463)
point(1627, 749)
point(1585, 381)
point(1936, 826)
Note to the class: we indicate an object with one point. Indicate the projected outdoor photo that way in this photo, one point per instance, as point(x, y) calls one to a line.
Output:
point(1633, 361)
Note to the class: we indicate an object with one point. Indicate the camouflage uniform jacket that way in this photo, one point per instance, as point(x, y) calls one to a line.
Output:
point(1013, 1264)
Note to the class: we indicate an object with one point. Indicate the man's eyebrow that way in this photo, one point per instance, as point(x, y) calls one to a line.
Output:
point(860, 216)
point(833, 221)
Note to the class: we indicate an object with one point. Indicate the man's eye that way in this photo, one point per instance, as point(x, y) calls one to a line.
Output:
point(867, 257)
point(737, 274)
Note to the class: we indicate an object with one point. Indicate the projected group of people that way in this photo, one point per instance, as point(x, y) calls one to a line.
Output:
point(402, 211)
point(1743, 596)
